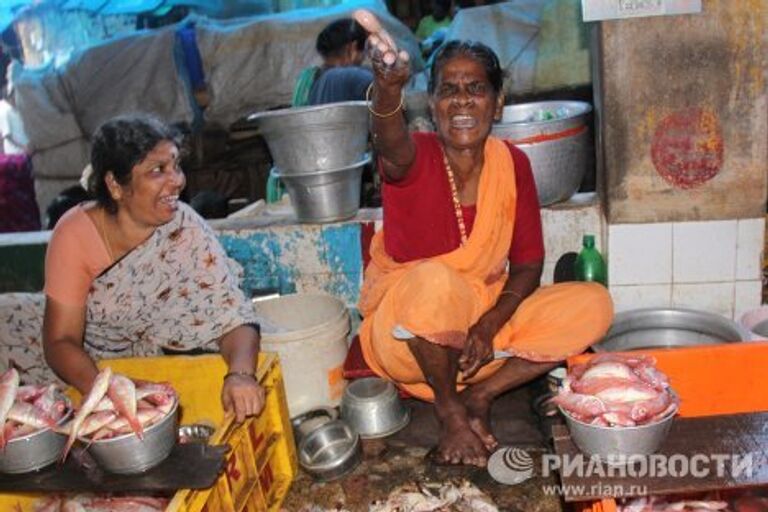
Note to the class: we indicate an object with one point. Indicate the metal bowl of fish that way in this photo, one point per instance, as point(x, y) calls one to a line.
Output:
point(615, 444)
point(330, 451)
point(373, 408)
point(35, 450)
point(127, 454)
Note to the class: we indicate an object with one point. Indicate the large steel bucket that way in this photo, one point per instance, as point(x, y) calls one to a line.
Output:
point(665, 327)
point(318, 138)
point(326, 196)
point(558, 148)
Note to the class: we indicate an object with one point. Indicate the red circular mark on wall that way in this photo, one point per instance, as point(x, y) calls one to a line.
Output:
point(687, 147)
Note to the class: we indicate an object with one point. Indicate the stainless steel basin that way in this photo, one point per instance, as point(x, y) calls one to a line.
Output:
point(652, 328)
point(317, 138)
point(559, 148)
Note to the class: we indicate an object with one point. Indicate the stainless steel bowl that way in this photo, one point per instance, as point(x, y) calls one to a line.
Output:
point(317, 138)
point(127, 454)
point(761, 329)
point(373, 408)
point(668, 328)
point(195, 433)
point(330, 451)
point(616, 444)
point(559, 164)
point(305, 423)
point(326, 196)
point(34, 451)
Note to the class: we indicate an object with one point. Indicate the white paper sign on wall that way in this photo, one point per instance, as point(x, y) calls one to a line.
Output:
point(595, 10)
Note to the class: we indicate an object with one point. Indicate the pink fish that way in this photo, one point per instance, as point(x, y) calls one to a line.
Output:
point(91, 424)
point(630, 392)
point(618, 418)
point(28, 414)
point(121, 425)
point(15, 430)
point(585, 405)
point(122, 392)
point(30, 393)
point(653, 377)
point(644, 410)
point(9, 385)
point(609, 369)
point(596, 385)
point(156, 393)
point(98, 389)
point(105, 404)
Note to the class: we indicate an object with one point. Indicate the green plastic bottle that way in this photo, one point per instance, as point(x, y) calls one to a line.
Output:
point(590, 265)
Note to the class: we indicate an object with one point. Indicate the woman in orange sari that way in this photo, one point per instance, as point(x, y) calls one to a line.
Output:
point(452, 307)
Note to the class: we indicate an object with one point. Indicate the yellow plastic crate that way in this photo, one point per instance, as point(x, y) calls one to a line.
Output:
point(262, 461)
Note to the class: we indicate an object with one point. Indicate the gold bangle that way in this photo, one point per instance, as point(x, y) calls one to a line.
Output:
point(390, 114)
point(511, 292)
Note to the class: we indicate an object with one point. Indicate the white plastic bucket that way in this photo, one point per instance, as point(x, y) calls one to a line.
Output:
point(309, 333)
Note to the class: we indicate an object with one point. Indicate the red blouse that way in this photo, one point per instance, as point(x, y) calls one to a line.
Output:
point(419, 217)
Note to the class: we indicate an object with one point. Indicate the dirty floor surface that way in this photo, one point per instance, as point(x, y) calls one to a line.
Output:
point(400, 459)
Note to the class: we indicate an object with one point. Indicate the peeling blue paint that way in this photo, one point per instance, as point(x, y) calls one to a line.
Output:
point(324, 257)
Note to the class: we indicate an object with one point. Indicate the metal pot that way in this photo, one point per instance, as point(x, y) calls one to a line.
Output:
point(557, 148)
point(326, 196)
point(317, 138)
point(667, 328)
point(305, 423)
point(373, 408)
point(34, 451)
point(330, 451)
point(614, 443)
point(127, 454)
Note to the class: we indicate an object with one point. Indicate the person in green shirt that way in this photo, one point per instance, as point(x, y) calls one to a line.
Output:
point(439, 18)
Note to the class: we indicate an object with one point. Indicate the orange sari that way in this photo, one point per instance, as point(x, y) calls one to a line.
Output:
point(440, 298)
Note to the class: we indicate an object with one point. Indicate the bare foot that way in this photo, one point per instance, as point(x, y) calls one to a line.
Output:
point(479, 416)
point(458, 442)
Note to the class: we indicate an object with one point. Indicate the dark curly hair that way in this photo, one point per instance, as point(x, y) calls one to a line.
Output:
point(472, 49)
point(118, 145)
point(338, 34)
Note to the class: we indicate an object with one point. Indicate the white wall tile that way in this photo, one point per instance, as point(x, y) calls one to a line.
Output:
point(640, 253)
point(747, 296)
point(704, 252)
point(711, 297)
point(626, 297)
point(749, 248)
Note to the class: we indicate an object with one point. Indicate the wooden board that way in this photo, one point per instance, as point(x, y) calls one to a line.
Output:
point(189, 466)
point(739, 438)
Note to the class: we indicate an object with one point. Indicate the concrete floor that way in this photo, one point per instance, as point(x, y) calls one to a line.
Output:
point(399, 459)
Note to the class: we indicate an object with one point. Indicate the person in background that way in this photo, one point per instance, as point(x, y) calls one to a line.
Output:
point(62, 203)
point(440, 18)
point(452, 307)
point(341, 77)
point(137, 271)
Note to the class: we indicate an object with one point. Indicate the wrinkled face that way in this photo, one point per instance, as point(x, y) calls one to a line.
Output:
point(464, 104)
point(152, 196)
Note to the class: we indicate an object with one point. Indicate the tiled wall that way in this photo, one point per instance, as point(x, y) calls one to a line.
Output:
point(712, 265)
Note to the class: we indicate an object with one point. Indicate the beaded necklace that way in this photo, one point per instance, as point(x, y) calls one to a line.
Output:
point(456, 202)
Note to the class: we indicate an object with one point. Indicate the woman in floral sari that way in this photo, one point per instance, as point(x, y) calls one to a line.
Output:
point(137, 271)
point(454, 274)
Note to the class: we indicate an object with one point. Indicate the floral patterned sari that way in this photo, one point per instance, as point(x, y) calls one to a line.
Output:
point(178, 290)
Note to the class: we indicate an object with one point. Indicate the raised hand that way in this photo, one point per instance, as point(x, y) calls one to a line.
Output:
point(389, 63)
